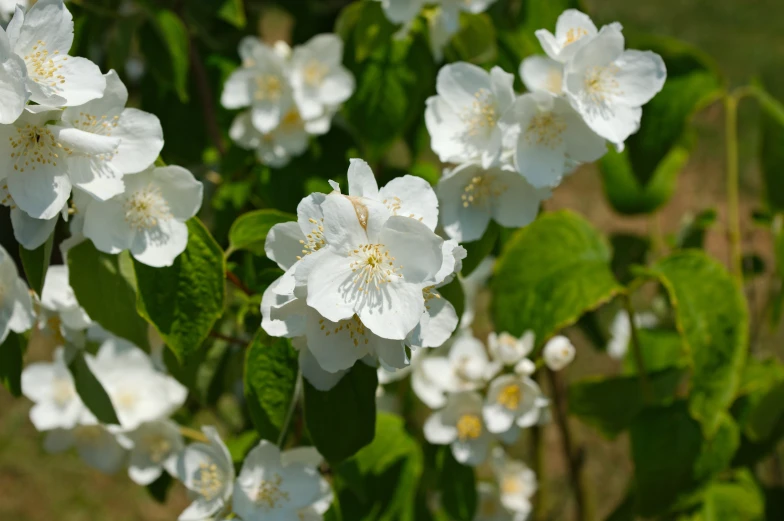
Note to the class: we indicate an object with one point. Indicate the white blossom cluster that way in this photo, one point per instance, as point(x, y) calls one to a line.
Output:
point(361, 276)
point(146, 441)
point(65, 134)
point(511, 150)
point(443, 17)
point(289, 94)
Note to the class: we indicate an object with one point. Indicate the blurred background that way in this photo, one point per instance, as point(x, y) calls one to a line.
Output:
point(743, 37)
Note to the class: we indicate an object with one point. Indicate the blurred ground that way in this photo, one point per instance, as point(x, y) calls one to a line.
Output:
point(744, 36)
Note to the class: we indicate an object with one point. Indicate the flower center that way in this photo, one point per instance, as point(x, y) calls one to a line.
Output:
point(88, 434)
point(373, 266)
point(469, 427)
point(209, 481)
point(429, 293)
point(355, 328)
point(101, 125)
point(126, 399)
point(269, 495)
point(511, 485)
point(42, 67)
point(158, 447)
point(145, 208)
point(510, 396)
point(35, 146)
point(554, 82)
point(600, 82)
point(291, 119)
point(574, 34)
point(545, 129)
point(62, 391)
point(314, 73)
point(5, 196)
point(480, 116)
point(313, 241)
point(479, 189)
point(268, 88)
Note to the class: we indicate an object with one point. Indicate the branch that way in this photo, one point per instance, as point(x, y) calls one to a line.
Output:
point(237, 282)
point(226, 338)
point(206, 98)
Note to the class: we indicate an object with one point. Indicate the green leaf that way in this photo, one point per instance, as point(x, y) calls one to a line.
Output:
point(36, 263)
point(711, 314)
point(610, 404)
point(159, 488)
point(233, 12)
point(478, 250)
point(343, 420)
point(475, 42)
point(661, 349)
point(184, 300)
point(366, 26)
point(382, 479)
point(250, 230)
point(772, 151)
point(457, 484)
point(643, 177)
point(694, 228)
point(549, 273)
point(91, 391)
point(737, 500)
point(671, 458)
point(270, 382)
point(105, 287)
point(11, 362)
point(766, 414)
point(174, 36)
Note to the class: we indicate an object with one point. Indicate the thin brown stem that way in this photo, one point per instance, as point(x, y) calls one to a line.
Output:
point(206, 98)
point(238, 283)
point(226, 338)
point(573, 456)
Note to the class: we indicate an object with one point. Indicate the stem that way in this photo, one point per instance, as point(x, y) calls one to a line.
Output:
point(226, 338)
point(290, 413)
point(205, 96)
point(733, 182)
point(645, 384)
point(573, 457)
point(237, 282)
point(193, 434)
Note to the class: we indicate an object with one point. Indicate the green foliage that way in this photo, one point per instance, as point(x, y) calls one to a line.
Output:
point(737, 500)
point(642, 178)
point(477, 250)
point(91, 391)
point(173, 65)
point(661, 349)
point(475, 42)
point(11, 359)
point(694, 228)
point(343, 420)
point(105, 287)
point(250, 230)
point(457, 484)
point(184, 300)
point(36, 262)
point(612, 403)
point(270, 381)
point(549, 273)
point(711, 315)
point(381, 481)
point(233, 11)
point(772, 151)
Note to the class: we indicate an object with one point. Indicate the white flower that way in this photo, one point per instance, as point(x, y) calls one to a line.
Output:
point(374, 266)
point(621, 331)
point(261, 83)
point(156, 447)
point(42, 37)
point(29, 232)
point(475, 282)
point(471, 196)
point(51, 386)
point(318, 77)
point(460, 424)
point(508, 349)
point(489, 507)
point(517, 483)
point(148, 218)
point(43, 158)
point(401, 11)
point(550, 133)
point(508, 398)
point(463, 118)
point(466, 367)
point(16, 307)
point(13, 80)
point(138, 391)
point(276, 148)
point(540, 73)
point(608, 85)
point(140, 134)
point(60, 311)
point(558, 353)
point(572, 31)
point(96, 445)
point(207, 471)
point(7, 8)
point(275, 485)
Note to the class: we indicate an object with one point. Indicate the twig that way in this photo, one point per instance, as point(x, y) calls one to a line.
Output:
point(645, 383)
point(226, 338)
point(733, 176)
point(205, 96)
point(573, 457)
point(193, 434)
point(237, 282)
point(290, 413)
